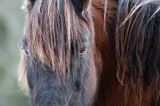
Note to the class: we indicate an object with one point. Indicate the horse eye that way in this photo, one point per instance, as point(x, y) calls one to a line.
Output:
point(85, 43)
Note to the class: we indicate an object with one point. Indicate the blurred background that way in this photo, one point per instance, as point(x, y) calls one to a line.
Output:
point(11, 29)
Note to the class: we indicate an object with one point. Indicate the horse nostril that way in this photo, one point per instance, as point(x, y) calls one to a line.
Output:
point(78, 85)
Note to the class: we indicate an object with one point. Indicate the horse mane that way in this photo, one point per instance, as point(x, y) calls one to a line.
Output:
point(138, 48)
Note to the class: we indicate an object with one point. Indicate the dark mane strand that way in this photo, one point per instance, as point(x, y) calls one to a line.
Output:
point(137, 48)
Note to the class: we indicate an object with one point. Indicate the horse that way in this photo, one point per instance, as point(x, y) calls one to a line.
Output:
point(91, 53)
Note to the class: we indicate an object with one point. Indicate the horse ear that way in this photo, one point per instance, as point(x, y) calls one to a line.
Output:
point(31, 2)
point(80, 5)
point(85, 3)
point(28, 4)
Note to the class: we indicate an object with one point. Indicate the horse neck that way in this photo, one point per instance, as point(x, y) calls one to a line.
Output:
point(111, 91)
point(104, 35)
point(104, 23)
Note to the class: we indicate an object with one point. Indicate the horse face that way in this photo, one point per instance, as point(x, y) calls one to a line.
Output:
point(58, 61)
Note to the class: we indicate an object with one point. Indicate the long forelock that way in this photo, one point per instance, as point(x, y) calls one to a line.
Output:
point(53, 32)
